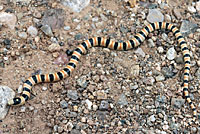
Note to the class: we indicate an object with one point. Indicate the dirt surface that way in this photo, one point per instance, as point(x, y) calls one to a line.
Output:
point(126, 93)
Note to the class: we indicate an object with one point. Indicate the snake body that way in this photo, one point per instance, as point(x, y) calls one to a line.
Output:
point(108, 43)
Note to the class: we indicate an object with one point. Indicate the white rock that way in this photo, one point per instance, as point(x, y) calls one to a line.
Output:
point(95, 107)
point(152, 118)
point(76, 5)
point(44, 88)
point(198, 6)
point(165, 127)
point(155, 16)
point(167, 18)
point(171, 53)
point(67, 28)
point(89, 104)
point(6, 94)
point(22, 35)
point(191, 9)
point(8, 19)
point(160, 49)
point(140, 52)
point(1, 7)
point(83, 119)
point(32, 31)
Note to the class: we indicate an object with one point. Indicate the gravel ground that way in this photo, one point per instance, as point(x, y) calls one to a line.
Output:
point(131, 92)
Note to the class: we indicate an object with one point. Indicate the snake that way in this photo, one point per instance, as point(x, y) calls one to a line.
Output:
point(83, 47)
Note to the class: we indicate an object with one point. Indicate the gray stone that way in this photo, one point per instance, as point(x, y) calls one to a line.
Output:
point(179, 59)
point(155, 16)
point(75, 131)
point(123, 29)
point(47, 30)
point(168, 72)
point(178, 103)
point(6, 94)
point(161, 99)
point(63, 104)
point(78, 36)
point(122, 100)
point(194, 130)
point(104, 105)
point(72, 94)
point(54, 18)
point(82, 82)
point(68, 113)
point(140, 52)
point(198, 73)
point(165, 37)
point(188, 27)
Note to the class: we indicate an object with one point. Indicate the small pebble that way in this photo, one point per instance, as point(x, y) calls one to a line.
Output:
point(191, 9)
point(63, 104)
point(198, 6)
point(171, 53)
point(160, 78)
point(140, 52)
point(155, 16)
point(83, 119)
point(178, 103)
point(23, 35)
point(89, 104)
point(32, 31)
point(165, 127)
point(101, 95)
point(160, 49)
point(54, 47)
point(23, 109)
point(104, 105)
point(47, 30)
point(152, 118)
point(94, 107)
point(122, 100)
point(67, 28)
point(151, 43)
point(44, 88)
point(72, 94)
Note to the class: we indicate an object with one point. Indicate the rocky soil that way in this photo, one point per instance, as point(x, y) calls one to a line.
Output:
point(128, 92)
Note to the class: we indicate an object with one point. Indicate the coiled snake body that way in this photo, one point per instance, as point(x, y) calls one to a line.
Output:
point(108, 43)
